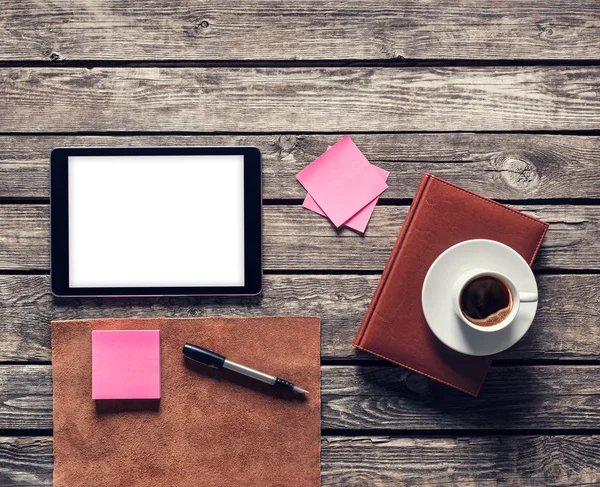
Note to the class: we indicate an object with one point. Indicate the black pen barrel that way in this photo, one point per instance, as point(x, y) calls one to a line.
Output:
point(202, 355)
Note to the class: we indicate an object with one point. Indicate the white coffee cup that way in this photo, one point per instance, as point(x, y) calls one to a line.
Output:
point(517, 298)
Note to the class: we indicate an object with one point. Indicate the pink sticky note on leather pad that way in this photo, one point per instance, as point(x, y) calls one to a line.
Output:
point(125, 364)
point(361, 219)
point(342, 181)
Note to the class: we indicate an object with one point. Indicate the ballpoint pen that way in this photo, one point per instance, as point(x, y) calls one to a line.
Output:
point(212, 359)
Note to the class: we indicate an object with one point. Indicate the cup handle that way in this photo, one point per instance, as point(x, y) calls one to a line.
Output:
point(528, 297)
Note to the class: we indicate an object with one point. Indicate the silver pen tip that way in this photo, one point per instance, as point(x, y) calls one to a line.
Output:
point(299, 390)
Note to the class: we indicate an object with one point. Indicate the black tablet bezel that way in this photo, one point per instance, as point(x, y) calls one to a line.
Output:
point(59, 222)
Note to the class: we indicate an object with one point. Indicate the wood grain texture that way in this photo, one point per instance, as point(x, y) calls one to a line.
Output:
point(26, 461)
point(300, 99)
point(282, 102)
point(565, 326)
point(387, 397)
point(390, 461)
point(298, 239)
point(512, 398)
point(465, 461)
point(25, 397)
point(307, 29)
point(503, 166)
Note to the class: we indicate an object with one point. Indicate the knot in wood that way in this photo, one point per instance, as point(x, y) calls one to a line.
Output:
point(545, 31)
point(198, 29)
point(518, 172)
point(417, 383)
point(287, 142)
point(50, 54)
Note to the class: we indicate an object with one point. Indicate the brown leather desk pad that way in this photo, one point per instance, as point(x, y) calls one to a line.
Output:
point(211, 427)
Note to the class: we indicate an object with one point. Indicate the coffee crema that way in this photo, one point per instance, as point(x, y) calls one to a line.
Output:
point(486, 300)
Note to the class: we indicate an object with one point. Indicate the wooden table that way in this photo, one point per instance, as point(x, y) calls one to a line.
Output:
point(501, 97)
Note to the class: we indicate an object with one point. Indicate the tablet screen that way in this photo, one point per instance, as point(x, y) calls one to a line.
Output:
point(155, 221)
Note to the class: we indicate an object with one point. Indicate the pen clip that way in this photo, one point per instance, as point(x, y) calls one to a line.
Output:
point(203, 356)
point(201, 363)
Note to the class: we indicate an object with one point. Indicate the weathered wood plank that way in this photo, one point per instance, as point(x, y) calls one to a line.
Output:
point(387, 397)
point(503, 166)
point(464, 461)
point(26, 462)
point(565, 326)
point(391, 461)
point(300, 99)
point(25, 397)
point(295, 238)
point(412, 29)
point(512, 398)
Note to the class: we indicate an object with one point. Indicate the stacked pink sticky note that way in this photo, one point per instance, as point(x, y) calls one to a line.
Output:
point(125, 364)
point(343, 185)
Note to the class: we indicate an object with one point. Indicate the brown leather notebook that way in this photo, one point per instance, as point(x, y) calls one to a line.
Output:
point(210, 427)
point(441, 215)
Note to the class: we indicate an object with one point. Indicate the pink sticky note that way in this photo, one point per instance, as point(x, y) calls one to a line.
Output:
point(125, 364)
point(361, 219)
point(342, 181)
point(310, 204)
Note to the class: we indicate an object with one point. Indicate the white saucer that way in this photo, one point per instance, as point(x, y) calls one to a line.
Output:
point(437, 301)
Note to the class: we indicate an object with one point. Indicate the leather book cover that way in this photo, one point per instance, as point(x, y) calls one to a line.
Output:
point(210, 427)
point(441, 215)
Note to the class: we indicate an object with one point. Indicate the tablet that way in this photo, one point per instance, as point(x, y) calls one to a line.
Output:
point(156, 221)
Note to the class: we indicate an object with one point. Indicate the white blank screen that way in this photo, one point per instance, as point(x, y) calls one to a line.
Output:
point(156, 221)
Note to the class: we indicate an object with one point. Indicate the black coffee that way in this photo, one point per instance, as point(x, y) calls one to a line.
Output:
point(486, 301)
